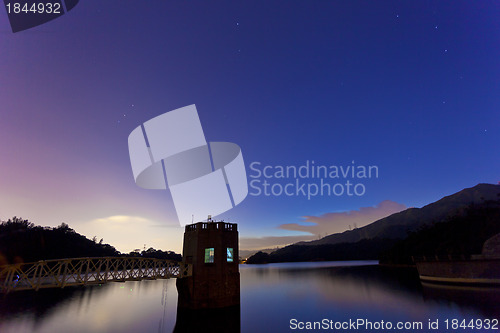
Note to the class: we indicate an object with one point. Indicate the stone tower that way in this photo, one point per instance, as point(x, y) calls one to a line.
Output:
point(212, 250)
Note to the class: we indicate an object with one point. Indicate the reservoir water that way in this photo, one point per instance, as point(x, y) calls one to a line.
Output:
point(274, 298)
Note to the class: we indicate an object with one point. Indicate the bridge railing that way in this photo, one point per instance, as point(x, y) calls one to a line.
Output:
point(82, 271)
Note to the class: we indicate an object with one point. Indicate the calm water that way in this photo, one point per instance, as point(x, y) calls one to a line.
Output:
point(271, 296)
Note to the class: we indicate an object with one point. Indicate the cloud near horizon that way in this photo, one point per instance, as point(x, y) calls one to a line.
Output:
point(330, 223)
point(326, 224)
point(127, 233)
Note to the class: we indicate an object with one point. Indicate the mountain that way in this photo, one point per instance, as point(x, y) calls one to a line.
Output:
point(366, 249)
point(460, 235)
point(397, 226)
point(370, 241)
point(23, 241)
point(249, 253)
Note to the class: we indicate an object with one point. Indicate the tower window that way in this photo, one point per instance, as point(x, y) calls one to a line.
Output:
point(209, 255)
point(229, 254)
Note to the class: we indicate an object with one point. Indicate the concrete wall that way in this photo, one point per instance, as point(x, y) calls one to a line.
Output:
point(478, 270)
point(492, 246)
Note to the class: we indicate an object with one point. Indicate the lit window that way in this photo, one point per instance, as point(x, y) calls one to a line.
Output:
point(209, 255)
point(229, 254)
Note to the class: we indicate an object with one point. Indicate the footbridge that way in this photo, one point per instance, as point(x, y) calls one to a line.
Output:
point(60, 273)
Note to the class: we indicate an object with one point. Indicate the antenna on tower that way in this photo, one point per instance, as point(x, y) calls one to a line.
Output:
point(209, 218)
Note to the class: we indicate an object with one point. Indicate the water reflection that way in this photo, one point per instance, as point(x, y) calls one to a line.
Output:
point(34, 306)
point(223, 320)
point(275, 294)
point(484, 299)
point(134, 306)
point(271, 295)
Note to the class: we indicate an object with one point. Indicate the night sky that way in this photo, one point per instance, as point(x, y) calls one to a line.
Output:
point(412, 87)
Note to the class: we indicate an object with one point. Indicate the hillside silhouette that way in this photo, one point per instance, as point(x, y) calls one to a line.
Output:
point(377, 238)
point(398, 225)
point(23, 241)
point(462, 234)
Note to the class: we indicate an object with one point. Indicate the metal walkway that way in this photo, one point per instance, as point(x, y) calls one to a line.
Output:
point(60, 273)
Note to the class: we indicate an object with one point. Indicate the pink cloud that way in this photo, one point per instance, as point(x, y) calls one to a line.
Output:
point(326, 224)
point(330, 223)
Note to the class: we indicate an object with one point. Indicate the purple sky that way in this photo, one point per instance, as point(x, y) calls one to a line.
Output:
point(410, 87)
